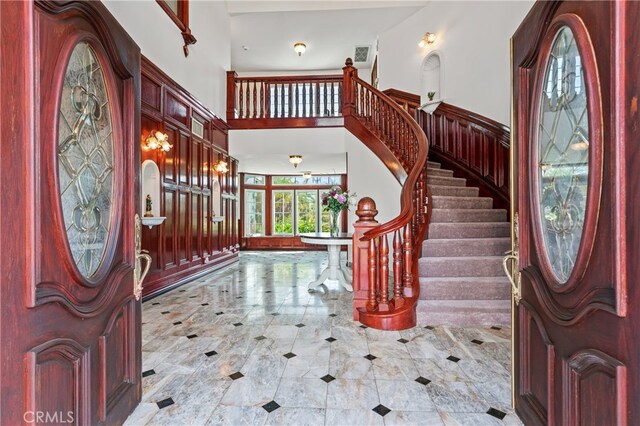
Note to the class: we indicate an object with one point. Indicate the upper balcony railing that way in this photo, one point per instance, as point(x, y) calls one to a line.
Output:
point(284, 101)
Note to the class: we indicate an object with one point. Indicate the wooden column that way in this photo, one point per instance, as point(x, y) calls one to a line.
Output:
point(348, 92)
point(231, 95)
point(366, 220)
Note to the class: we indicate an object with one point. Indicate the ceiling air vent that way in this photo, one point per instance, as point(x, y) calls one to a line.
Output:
point(361, 54)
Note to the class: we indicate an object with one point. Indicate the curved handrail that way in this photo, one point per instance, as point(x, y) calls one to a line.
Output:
point(397, 139)
point(413, 166)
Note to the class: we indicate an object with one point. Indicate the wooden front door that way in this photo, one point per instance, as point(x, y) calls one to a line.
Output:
point(71, 325)
point(576, 161)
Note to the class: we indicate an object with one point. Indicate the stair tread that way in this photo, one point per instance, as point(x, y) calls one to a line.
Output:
point(504, 279)
point(505, 224)
point(468, 240)
point(457, 258)
point(472, 210)
point(452, 198)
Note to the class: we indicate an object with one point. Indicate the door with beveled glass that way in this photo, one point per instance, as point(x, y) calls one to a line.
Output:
point(575, 315)
point(71, 317)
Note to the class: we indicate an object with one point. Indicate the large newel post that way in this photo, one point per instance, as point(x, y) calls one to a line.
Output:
point(366, 213)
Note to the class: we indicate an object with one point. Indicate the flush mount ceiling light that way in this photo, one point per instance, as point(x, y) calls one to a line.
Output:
point(306, 175)
point(427, 38)
point(300, 48)
point(295, 159)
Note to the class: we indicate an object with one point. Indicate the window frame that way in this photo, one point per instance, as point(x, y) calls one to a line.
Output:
point(262, 212)
point(293, 212)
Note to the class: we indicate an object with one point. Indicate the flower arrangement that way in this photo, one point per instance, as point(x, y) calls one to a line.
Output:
point(334, 202)
point(337, 200)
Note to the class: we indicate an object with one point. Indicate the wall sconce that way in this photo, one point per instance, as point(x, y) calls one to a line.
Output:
point(306, 175)
point(157, 140)
point(295, 159)
point(427, 38)
point(300, 48)
point(221, 167)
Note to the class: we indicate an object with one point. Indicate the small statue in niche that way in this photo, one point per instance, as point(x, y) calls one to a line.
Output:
point(148, 204)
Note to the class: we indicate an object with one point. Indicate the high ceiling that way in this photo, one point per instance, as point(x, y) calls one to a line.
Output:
point(330, 29)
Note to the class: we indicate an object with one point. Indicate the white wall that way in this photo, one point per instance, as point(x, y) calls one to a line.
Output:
point(473, 38)
point(368, 177)
point(203, 72)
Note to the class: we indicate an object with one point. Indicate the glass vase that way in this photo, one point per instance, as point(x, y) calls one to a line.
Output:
point(334, 222)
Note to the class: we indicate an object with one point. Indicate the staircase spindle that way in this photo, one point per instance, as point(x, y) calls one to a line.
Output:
point(384, 273)
point(397, 268)
point(241, 100)
point(408, 261)
point(372, 303)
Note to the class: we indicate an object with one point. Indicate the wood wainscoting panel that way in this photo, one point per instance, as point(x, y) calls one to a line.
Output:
point(189, 241)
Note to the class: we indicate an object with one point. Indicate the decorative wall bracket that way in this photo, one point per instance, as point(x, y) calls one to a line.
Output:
point(188, 40)
point(139, 273)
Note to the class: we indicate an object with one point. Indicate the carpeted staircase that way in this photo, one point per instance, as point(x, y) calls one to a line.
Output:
point(461, 276)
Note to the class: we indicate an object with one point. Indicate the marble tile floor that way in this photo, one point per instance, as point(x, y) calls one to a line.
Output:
point(249, 345)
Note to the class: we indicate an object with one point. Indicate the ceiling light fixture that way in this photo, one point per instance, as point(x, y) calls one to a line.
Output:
point(300, 48)
point(306, 175)
point(221, 167)
point(295, 159)
point(427, 38)
point(157, 140)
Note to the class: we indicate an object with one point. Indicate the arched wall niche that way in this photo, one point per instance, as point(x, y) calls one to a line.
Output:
point(216, 199)
point(432, 76)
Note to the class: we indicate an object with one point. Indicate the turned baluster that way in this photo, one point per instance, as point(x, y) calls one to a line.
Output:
point(372, 255)
point(265, 98)
point(408, 262)
point(241, 100)
point(255, 99)
point(398, 298)
point(340, 98)
point(384, 274)
point(317, 103)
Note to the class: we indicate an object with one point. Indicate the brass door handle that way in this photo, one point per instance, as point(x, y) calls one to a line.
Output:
point(514, 278)
point(139, 273)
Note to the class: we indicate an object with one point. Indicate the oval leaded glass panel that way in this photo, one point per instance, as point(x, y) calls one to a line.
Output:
point(85, 158)
point(563, 154)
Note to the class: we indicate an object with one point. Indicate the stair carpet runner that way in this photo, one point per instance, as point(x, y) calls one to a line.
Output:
point(461, 277)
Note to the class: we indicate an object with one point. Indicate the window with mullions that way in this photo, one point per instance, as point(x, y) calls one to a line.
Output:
point(300, 180)
point(283, 212)
point(307, 211)
point(253, 212)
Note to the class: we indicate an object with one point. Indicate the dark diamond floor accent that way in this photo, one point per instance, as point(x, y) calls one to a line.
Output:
point(155, 303)
point(328, 378)
point(271, 406)
point(496, 328)
point(260, 338)
point(403, 341)
point(477, 342)
point(148, 373)
point(430, 327)
point(300, 325)
point(219, 313)
point(238, 324)
point(275, 314)
point(165, 403)
point(333, 315)
point(192, 336)
point(205, 304)
point(330, 339)
point(496, 413)
point(238, 297)
point(177, 323)
point(237, 375)
point(370, 357)
point(182, 291)
point(289, 355)
point(363, 326)
point(165, 312)
point(453, 358)
point(268, 291)
point(382, 410)
point(192, 297)
point(211, 353)
point(423, 381)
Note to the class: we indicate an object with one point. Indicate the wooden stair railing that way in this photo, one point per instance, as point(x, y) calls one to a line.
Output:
point(284, 101)
point(397, 139)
